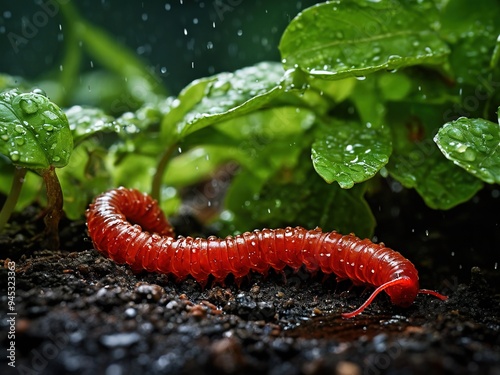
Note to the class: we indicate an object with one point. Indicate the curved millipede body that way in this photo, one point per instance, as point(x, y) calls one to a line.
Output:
point(129, 227)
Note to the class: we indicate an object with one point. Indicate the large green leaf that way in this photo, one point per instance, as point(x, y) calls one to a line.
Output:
point(354, 38)
point(474, 145)
point(349, 152)
point(34, 132)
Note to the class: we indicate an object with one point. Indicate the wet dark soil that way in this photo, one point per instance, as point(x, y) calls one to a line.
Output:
point(80, 313)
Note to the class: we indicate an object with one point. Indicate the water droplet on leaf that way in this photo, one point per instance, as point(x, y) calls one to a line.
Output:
point(20, 129)
point(14, 156)
point(469, 155)
point(50, 115)
point(39, 92)
point(28, 106)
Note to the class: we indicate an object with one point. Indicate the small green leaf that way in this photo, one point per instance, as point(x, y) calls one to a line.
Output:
point(350, 152)
point(229, 95)
point(190, 96)
point(474, 145)
point(335, 40)
point(34, 132)
point(85, 122)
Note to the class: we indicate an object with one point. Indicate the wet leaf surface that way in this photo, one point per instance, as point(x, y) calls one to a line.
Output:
point(474, 145)
point(336, 39)
point(34, 132)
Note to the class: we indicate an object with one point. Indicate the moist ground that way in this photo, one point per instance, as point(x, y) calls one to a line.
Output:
point(80, 313)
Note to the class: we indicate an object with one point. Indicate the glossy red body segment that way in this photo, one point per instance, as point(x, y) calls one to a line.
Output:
point(129, 227)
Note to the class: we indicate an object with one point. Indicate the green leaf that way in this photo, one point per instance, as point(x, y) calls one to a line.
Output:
point(190, 96)
point(85, 122)
point(335, 40)
point(349, 153)
point(474, 145)
point(229, 95)
point(34, 132)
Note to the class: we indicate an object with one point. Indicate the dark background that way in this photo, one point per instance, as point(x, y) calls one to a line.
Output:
point(222, 35)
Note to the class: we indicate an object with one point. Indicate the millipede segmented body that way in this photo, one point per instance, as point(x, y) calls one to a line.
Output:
point(129, 227)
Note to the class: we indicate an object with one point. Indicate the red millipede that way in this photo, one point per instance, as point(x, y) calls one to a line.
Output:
point(129, 227)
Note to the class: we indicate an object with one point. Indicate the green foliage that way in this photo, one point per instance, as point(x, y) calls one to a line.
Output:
point(339, 39)
point(362, 93)
point(35, 135)
point(34, 132)
point(350, 153)
point(473, 145)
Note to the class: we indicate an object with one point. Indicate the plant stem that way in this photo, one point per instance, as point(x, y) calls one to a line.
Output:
point(13, 196)
point(160, 171)
point(54, 208)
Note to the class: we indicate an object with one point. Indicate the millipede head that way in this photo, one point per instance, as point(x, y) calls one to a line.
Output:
point(403, 291)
